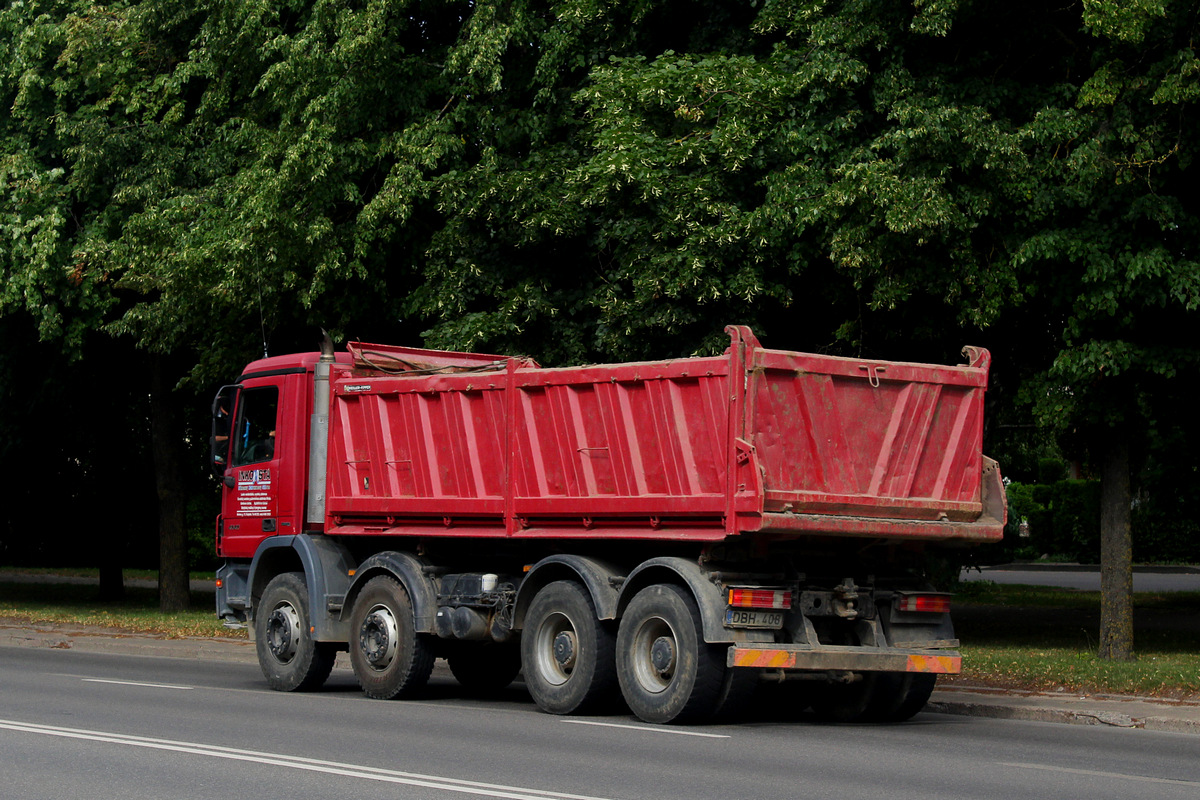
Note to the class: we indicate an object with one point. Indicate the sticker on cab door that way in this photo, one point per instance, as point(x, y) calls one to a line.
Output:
point(254, 492)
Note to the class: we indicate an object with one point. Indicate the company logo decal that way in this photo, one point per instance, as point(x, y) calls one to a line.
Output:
point(254, 497)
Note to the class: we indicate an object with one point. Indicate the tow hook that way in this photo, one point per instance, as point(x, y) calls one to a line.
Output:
point(845, 599)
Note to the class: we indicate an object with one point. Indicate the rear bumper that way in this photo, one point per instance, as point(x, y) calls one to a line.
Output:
point(849, 659)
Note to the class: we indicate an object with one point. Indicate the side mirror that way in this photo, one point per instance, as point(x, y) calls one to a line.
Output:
point(222, 426)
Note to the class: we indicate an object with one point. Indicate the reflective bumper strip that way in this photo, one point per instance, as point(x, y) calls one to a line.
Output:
point(942, 665)
point(845, 658)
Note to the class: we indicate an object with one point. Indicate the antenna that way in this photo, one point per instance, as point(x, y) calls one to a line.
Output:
point(262, 318)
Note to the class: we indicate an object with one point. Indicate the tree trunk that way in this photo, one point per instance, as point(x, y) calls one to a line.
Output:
point(166, 442)
point(1116, 554)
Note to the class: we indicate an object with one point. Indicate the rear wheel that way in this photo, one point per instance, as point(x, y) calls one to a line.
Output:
point(737, 693)
point(390, 659)
point(289, 658)
point(566, 652)
point(900, 695)
point(846, 702)
point(787, 700)
point(485, 667)
point(668, 673)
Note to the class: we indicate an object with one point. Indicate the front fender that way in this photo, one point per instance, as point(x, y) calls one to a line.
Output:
point(326, 566)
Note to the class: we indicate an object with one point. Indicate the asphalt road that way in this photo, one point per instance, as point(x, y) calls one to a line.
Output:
point(75, 724)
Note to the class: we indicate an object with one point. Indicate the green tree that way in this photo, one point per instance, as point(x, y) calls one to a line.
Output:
point(1126, 233)
point(587, 180)
point(194, 179)
point(1011, 171)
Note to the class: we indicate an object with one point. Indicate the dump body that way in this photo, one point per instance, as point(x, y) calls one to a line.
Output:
point(755, 440)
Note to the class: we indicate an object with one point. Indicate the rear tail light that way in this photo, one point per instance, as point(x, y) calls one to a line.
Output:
point(923, 603)
point(760, 598)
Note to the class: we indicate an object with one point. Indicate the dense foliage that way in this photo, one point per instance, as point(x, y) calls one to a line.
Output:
point(597, 179)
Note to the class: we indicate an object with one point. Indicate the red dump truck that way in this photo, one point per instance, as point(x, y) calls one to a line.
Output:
point(668, 533)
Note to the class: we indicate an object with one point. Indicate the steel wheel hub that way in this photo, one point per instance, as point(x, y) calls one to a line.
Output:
point(282, 628)
point(379, 637)
point(564, 650)
point(556, 649)
point(662, 656)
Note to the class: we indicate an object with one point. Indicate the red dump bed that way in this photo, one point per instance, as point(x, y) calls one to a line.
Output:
point(698, 448)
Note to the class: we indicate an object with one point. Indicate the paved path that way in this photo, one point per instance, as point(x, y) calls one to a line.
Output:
point(10, 575)
point(1087, 577)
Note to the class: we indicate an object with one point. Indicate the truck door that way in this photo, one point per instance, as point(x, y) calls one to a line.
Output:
point(251, 497)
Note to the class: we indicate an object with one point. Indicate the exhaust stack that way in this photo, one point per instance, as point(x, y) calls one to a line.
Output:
point(318, 434)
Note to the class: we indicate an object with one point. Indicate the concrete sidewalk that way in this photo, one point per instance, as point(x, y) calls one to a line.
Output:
point(979, 701)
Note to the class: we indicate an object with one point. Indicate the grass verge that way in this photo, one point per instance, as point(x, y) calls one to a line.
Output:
point(1046, 639)
point(1065, 669)
point(137, 612)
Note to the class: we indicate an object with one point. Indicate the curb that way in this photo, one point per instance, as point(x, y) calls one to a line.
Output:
point(1169, 716)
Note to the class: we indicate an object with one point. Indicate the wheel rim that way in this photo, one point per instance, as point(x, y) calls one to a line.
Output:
point(282, 628)
point(654, 654)
point(379, 637)
point(556, 646)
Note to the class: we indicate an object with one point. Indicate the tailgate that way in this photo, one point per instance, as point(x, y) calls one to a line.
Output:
point(875, 439)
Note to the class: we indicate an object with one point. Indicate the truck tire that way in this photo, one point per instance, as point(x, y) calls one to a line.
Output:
point(668, 673)
point(482, 669)
point(899, 696)
point(289, 658)
point(390, 659)
point(566, 652)
point(737, 694)
point(846, 702)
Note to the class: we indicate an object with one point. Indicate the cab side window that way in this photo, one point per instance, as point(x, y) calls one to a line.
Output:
point(254, 432)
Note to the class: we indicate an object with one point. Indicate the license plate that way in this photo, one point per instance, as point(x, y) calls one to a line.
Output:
point(753, 618)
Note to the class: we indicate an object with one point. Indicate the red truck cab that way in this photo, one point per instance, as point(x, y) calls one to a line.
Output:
point(261, 443)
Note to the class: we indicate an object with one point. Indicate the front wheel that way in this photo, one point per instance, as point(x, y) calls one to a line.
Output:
point(668, 673)
point(390, 659)
point(289, 658)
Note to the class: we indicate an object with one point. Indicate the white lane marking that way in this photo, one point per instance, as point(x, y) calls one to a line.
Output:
point(138, 683)
point(1097, 774)
point(295, 762)
point(647, 728)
